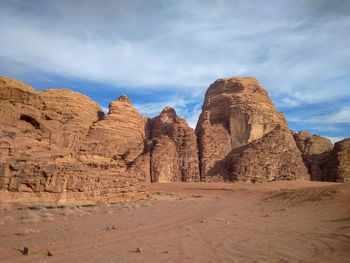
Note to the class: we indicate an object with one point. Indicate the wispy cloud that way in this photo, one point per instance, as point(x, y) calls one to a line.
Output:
point(186, 108)
point(187, 43)
point(342, 116)
point(105, 109)
point(336, 139)
point(298, 49)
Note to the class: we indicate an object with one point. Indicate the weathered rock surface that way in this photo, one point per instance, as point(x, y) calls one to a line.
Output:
point(58, 145)
point(43, 157)
point(338, 165)
point(237, 112)
point(174, 154)
point(270, 158)
point(312, 144)
point(316, 151)
point(121, 133)
point(118, 141)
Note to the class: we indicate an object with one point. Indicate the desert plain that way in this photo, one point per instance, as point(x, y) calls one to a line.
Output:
point(284, 221)
point(79, 185)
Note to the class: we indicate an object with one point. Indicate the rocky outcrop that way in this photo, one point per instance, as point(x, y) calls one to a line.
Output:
point(174, 155)
point(316, 151)
point(20, 104)
point(117, 142)
point(45, 149)
point(58, 145)
point(121, 134)
point(236, 115)
point(312, 144)
point(338, 165)
point(270, 158)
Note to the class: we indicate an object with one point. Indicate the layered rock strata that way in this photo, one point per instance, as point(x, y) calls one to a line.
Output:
point(270, 158)
point(316, 151)
point(121, 133)
point(46, 153)
point(174, 154)
point(338, 165)
point(236, 113)
point(58, 146)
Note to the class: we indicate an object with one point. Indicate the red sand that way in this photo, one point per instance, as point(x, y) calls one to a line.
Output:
point(190, 222)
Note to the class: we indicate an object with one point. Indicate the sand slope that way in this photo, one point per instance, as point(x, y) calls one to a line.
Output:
point(190, 222)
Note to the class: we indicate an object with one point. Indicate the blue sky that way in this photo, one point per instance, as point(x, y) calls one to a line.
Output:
point(168, 52)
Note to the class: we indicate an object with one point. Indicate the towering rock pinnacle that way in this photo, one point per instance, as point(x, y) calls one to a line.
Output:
point(236, 113)
point(121, 133)
point(174, 149)
point(124, 98)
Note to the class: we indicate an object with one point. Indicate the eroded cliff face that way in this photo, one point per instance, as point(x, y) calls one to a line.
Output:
point(236, 113)
point(316, 151)
point(45, 151)
point(121, 133)
point(58, 146)
point(270, 158)
point(338, 165)
point(174, 154)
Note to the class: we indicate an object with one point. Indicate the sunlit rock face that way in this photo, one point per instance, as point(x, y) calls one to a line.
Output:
point(47, 153)
point(58, 146)
point(173, 149)
point(236, 113)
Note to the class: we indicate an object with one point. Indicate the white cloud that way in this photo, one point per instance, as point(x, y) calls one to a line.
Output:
point(181, 106)
point(342, 116)
point(154, 108)
point(335, 139)
point(291, 46)
point(105, 109)
point(298, 50)
point(193, 115)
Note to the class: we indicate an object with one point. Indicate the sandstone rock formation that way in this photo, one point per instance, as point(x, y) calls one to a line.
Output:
point(43, 138)
point(58, 145)
point(236, 113)
point(270, 158)
point(312, 144)
point(121, 133)
point(316, 151)
point(338, 165)
point(174, 155)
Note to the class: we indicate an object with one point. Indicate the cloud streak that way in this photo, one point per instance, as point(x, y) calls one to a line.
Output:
point(341, 116)
point(189, 109)
point(299, 50)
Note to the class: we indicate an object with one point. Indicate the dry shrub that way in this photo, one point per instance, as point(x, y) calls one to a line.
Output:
point(109, 212)
point(146, 204)
point(31, 217)
point(26, 231)
point(48, 216)
point(135, 205)
point(7, 219)
point(102, 204)
point(67, 211)
point(81, 212)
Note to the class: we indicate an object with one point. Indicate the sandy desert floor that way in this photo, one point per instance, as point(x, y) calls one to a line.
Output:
point(189, 222)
